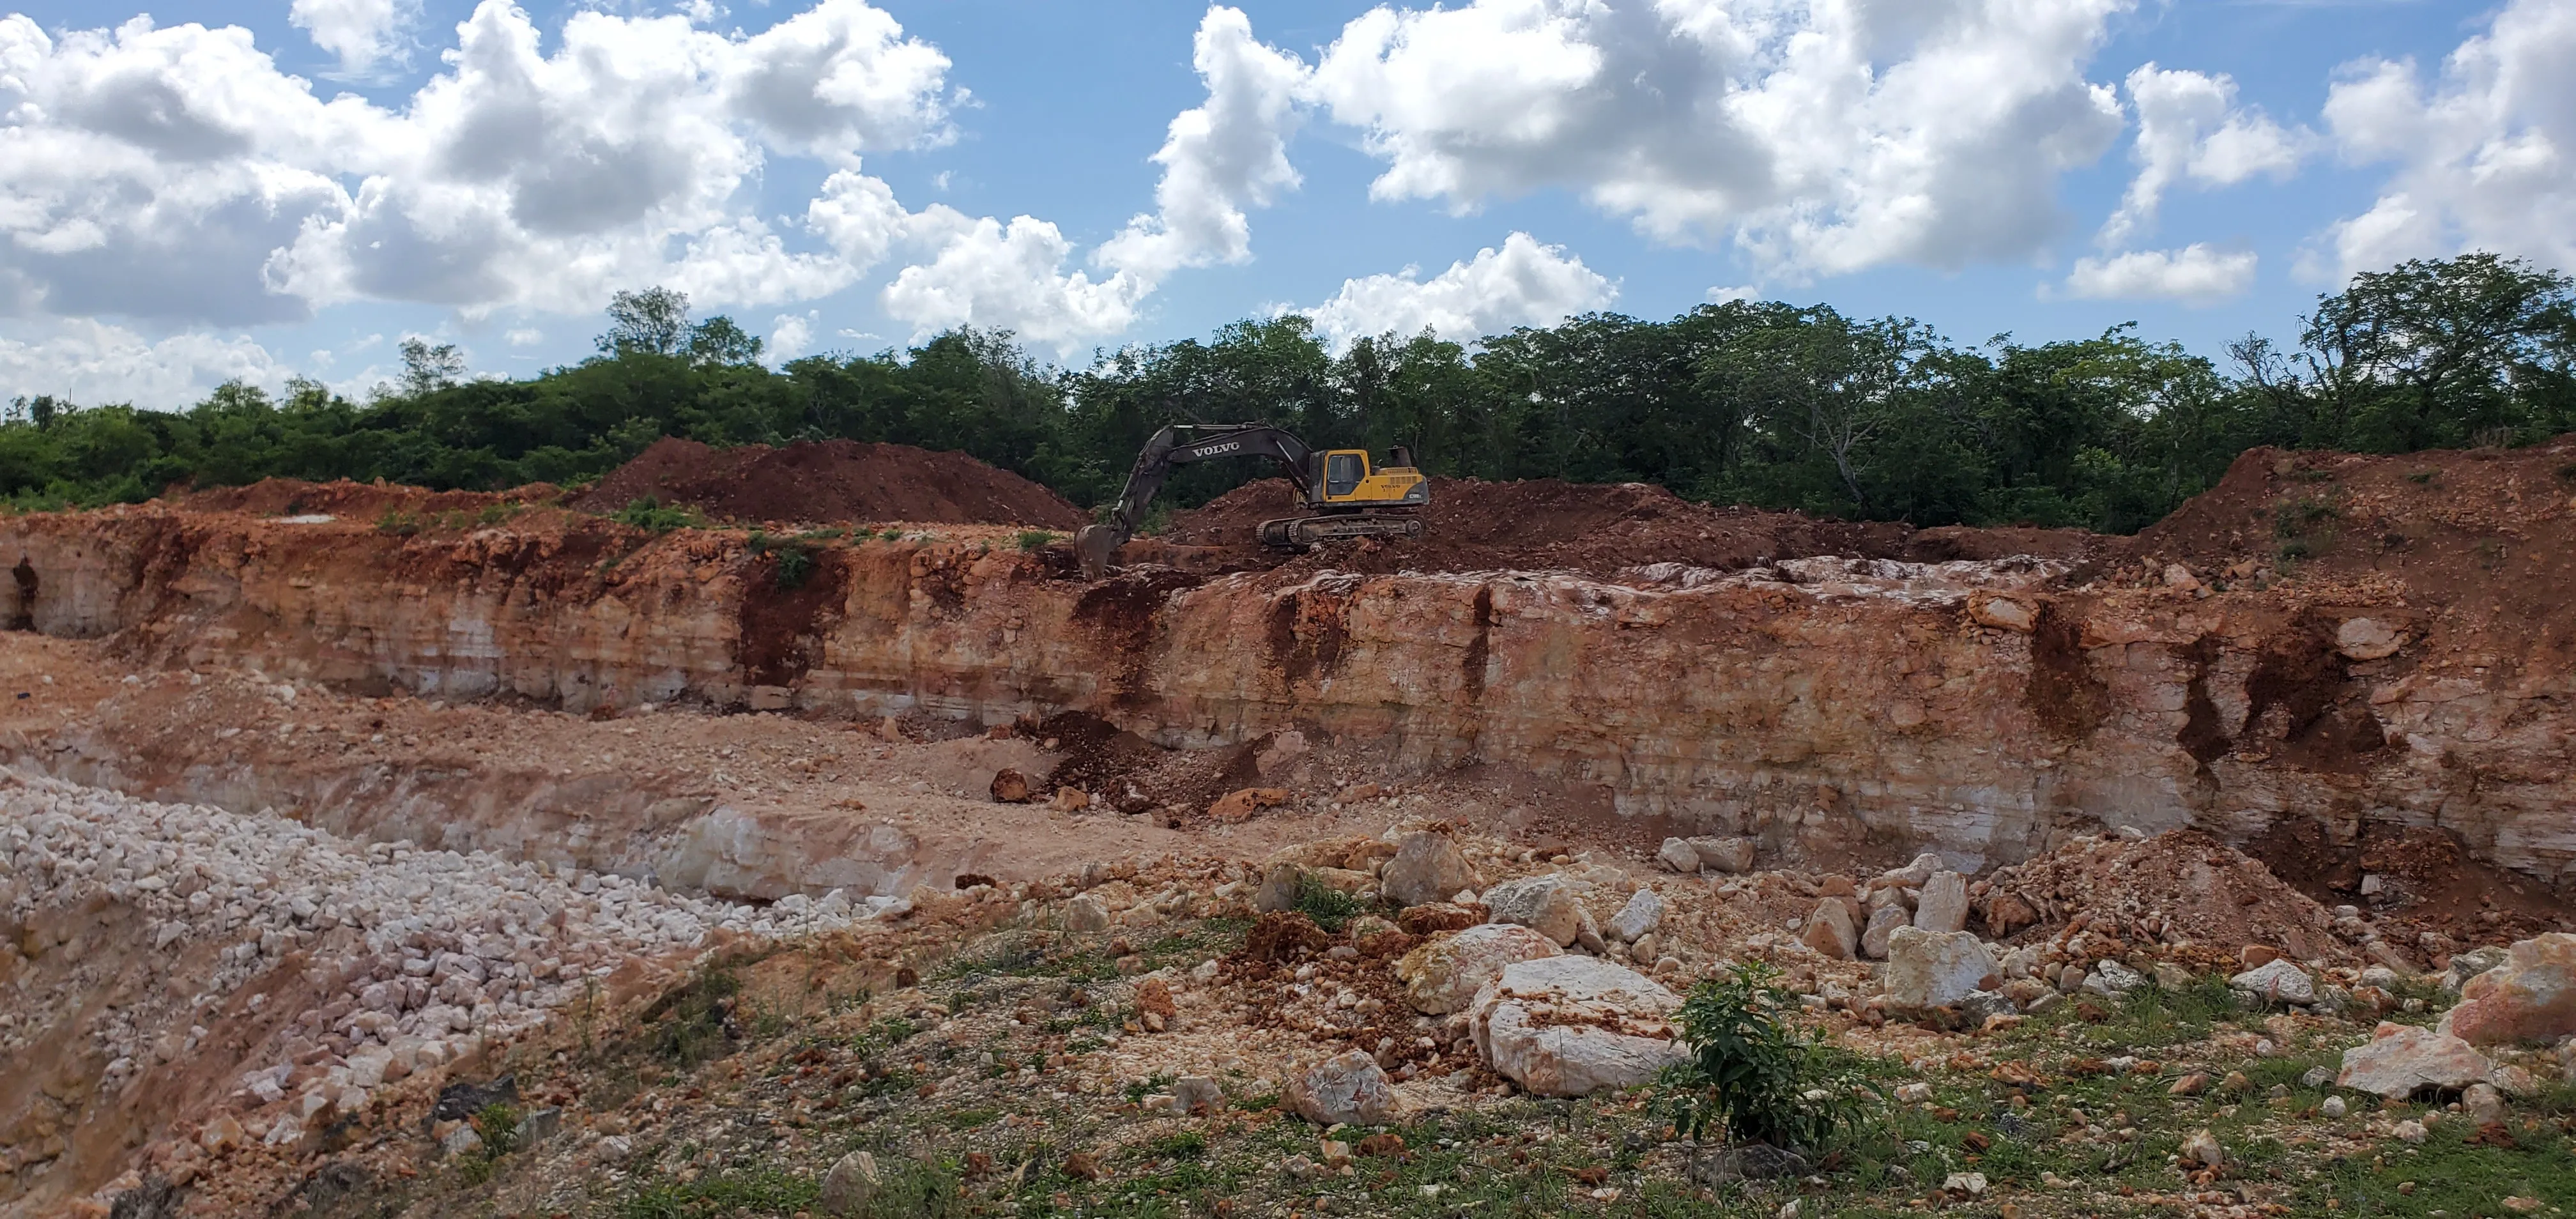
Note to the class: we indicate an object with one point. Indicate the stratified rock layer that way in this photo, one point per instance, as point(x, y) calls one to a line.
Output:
point(1810, 703)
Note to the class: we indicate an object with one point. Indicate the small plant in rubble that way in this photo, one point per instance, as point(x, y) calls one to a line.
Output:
point(1331, 908)
point(1752, 1075)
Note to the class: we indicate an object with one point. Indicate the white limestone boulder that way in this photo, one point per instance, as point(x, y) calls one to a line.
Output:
point(1572, 1026)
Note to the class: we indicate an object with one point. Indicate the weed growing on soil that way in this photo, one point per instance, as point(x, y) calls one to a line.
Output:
point(1032, 539)
point(497, 1124)
point(648, 513)
point(2304, 529)
point(398, 523)
point(1752, 1074)
point(694, 1023)
point(1331, 908)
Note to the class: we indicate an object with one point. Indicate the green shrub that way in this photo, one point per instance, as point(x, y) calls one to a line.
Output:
point(498, 1125)
point(648, 513)
point(794, 564)
point(1753, 1075)
point(1031, 539)
point(1331, 908)
point(397, 522)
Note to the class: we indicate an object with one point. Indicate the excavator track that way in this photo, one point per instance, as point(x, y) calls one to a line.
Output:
point(1300, 532)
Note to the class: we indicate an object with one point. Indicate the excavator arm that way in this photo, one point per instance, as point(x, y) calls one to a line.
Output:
point(1183, 444)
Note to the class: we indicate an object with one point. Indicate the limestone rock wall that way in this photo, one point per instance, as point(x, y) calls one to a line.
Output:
point(1820, 704)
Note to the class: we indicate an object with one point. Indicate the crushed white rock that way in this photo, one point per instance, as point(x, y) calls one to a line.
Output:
point(417, 955)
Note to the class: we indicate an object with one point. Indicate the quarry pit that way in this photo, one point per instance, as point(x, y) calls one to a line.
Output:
point(742, 723)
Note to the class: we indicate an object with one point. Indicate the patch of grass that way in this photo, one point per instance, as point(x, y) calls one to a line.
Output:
point(795, 558)
point(884, 1034)
point(1032, 539)
point(494, 514)
point(2423, 478)
point(1138, 1089)
point(793, 565)
point(1184, 1145)
point(649, 513)
point(758, 1190)
point(398, 523)
point(2449, 1175)
point(1331, 908)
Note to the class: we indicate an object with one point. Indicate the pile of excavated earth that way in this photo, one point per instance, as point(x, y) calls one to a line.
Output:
point(367, 850)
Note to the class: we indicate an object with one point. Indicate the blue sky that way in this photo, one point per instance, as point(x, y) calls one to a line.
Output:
point(185, 204)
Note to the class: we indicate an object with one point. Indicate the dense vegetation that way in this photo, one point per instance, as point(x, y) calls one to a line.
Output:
point(1760, 403)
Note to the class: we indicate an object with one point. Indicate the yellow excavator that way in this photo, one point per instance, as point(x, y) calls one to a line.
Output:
point(1344, 494)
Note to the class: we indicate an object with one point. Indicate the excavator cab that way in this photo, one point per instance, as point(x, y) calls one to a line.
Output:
point(1350, 484)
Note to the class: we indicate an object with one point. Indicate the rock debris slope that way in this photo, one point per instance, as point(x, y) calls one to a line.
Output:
point(165, 957)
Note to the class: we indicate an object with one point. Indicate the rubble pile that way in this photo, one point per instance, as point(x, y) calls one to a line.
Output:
point(361, 963)
point(2183, 890)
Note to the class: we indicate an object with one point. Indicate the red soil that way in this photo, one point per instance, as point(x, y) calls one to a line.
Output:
point(831, 481)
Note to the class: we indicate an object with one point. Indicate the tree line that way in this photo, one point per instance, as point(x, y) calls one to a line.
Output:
point(1759, 403)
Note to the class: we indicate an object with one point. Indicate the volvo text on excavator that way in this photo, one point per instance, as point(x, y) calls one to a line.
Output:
point(1344, 494)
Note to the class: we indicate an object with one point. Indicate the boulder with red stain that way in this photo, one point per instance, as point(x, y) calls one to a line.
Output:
point(2531, 997)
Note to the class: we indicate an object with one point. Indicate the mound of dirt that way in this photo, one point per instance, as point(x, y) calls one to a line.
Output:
point(2184, 886)
point(2492, 531)
point(2421, 882)
point(831, 482)
point(1601, 528)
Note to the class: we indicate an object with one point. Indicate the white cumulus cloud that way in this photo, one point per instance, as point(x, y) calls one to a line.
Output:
point(1522, 284)
point(1824, 137)
point(2196, 274)
point(1217, 158)
point(1013, 278)
point(2485, 155)
point(93, 363)
point(2190, 129)
point(176, 173)
point(360, 32)
point(790, 335)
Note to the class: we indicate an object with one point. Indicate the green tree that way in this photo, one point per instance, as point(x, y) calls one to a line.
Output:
point(654, 321)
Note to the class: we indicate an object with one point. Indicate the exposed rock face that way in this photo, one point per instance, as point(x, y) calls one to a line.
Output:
point(1427, 868)
point(1929, 969)
point(2530, 997)
point(1347, 1087)
point(2401, 1059)
point(1545, 904)
point(1830, 700)
point(1444, 975)
point(1572, 1026)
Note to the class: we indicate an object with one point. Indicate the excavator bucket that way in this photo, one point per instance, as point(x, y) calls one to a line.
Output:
point(1095, 545)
